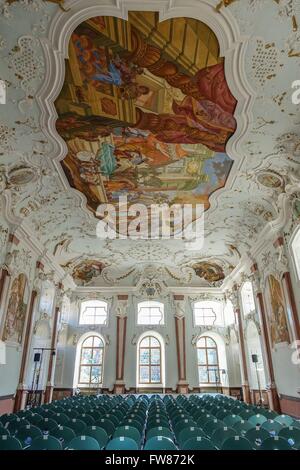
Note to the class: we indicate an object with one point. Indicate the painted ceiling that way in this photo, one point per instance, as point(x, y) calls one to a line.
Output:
point(93, 112)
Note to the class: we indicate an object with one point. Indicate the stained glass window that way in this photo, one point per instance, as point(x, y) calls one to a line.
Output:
point(150, 313)
point(208, 361)
point(91, 362)
point(150, 361)
point(93, 312)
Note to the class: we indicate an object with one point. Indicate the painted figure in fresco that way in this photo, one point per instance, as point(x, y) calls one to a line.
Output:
point(87, 270)
point(211, 272)
point(278, 323)
point(16, 311)
point(159, 116)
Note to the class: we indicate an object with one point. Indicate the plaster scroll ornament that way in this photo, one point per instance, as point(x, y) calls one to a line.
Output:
point(121, 310)
point(179, 310)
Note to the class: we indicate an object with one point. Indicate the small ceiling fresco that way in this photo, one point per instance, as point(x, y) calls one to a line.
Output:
point(146, 111)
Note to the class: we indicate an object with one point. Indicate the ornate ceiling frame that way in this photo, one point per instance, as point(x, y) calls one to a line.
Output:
point(232, 47)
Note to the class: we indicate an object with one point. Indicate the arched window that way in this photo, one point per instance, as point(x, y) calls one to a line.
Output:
point(296, 252)
point(150, 361)
point(208, 361)
point(93, 312)
point(91, 362)
point(207, 313)
point(247, 298)
point(150, 313)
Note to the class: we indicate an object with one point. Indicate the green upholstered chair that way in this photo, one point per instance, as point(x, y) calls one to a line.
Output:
point(188, 433)
point(7, 418)
point(290, 433)
point(275, 443)
point(26, 434)
point(97, 433)
point(83, 443)
point(236, 443)
point(212, 425)
point(231, 420)
point(198, 443)
point(221, 434)
point(107, 425)
point(77, 425)
point(242, 427)
point(62, 419)
point(285, 420)
point(45, 442)
point(128, 431)
point(159, 431)
point(87, 419)
point(48, 424)
point(64, 434)
point(9, 443)
point(273, 427)
point(257, 420)
point(122, 443)
point(257, 436)
point(159, 443)
point(34, 419)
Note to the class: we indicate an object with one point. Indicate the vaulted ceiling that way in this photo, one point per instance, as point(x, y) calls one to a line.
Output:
point(155, 106)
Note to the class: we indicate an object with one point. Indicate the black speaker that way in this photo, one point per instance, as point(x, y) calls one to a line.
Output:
point(37, 357)
point(254, 358)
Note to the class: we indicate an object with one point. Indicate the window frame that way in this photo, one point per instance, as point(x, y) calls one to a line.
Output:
point(203, 307)
point(150, 364)
point(102, 304)
point(155, 304)
point(245, 299)
point(91, 384)
point(216, 366)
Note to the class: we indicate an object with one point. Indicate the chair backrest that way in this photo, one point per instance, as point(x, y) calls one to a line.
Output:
point(230, 420)
point(83, 443)
point(285, 420)
point(45, 443)
point(48, 424)
point(97, 433)
point(9, 443)
point(198, 443)
point(236, 443)
point(122, 443)
point(159, 431)
point(275, 443)
point(188, 433)
point(257, 420)
point(256, 436)
point(27, 433)
point(159, 443)
point(128, 431)
point(221, 434)
point(77, 425)
point(107, 425)
point(291, 434)
point(64, 434)
point(273, 427)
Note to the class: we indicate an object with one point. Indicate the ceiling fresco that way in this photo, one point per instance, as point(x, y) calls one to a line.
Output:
point(147, 108)
point(146, 111)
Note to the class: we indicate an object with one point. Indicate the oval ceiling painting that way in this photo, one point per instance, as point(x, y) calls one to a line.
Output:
point(145, 111)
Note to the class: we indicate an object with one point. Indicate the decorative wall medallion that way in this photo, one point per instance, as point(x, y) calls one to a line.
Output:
point(21, 175)
point(270, 179)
